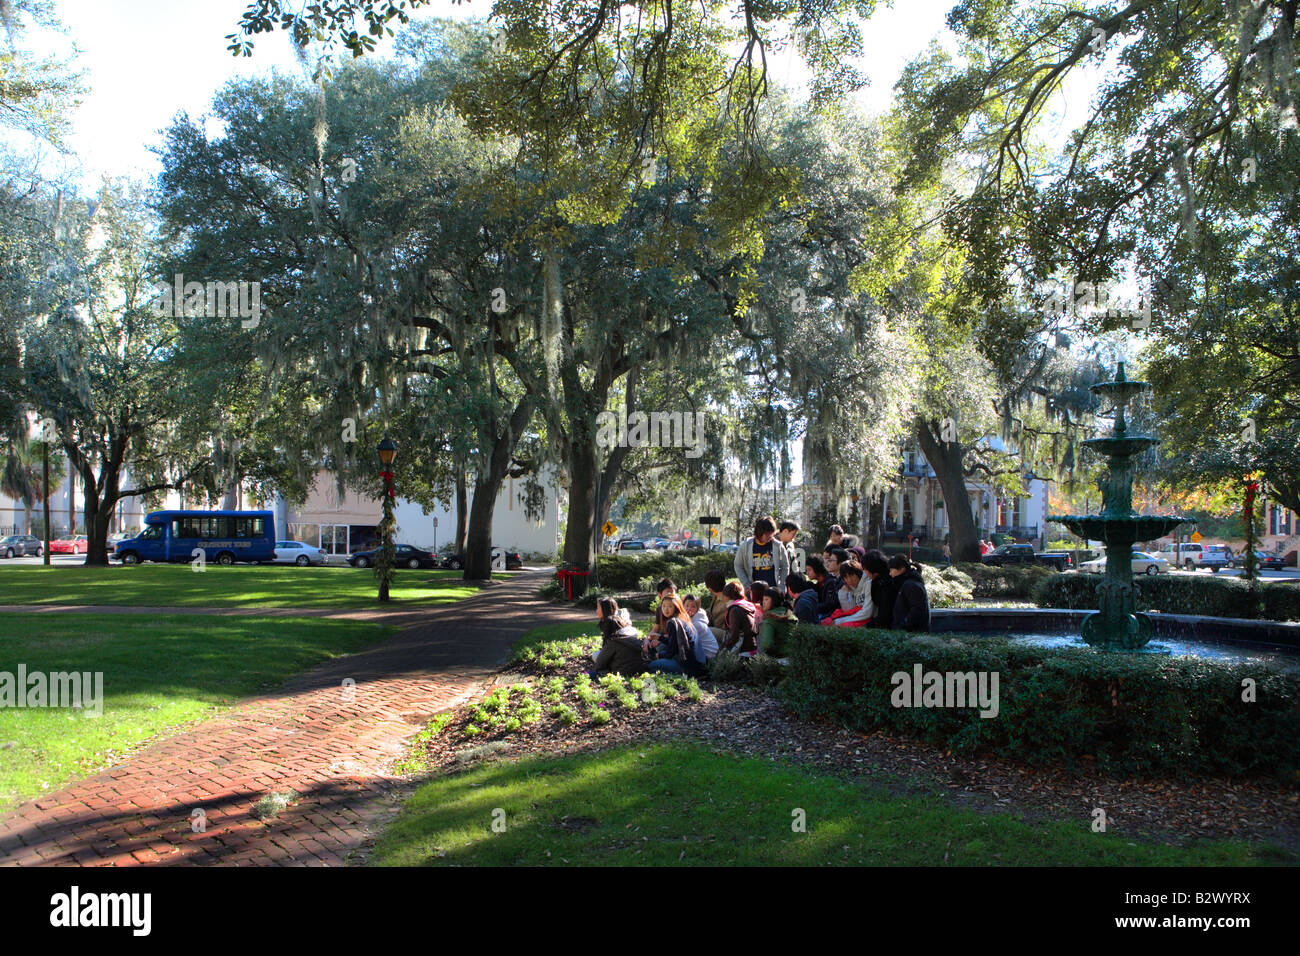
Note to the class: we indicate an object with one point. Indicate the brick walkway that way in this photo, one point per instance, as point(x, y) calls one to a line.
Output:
point(332, 743)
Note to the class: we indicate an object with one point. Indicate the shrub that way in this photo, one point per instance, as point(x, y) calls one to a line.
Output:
point(1131, 713)
point(1013, 581)
point(1179, 594)
point(625, 572)
point(729, 668)
point(945, 589)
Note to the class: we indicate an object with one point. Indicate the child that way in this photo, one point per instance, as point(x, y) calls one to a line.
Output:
point(706, 643)
point(912, 606)
point(855, 598)
point(742, 630)
point(778, 622)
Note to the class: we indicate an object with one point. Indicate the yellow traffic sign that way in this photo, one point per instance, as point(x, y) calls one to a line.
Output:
point(608, 529)
point(1196, 536)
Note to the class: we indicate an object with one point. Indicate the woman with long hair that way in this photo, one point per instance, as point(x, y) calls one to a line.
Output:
point(674, 650)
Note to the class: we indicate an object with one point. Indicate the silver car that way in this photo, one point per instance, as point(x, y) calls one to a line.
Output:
point(19, 545)
point(295, 552)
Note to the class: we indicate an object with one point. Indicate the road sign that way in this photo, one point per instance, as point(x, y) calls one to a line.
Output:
point(713, 532)
point(608, 529)
point(710, 519)
point(1196, 536)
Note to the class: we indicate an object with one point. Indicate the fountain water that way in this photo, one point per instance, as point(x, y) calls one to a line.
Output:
point(1117, 625)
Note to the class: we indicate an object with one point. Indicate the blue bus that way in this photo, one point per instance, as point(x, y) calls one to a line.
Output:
point(224, 536)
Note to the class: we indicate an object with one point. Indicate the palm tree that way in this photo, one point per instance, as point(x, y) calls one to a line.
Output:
point(21, 477)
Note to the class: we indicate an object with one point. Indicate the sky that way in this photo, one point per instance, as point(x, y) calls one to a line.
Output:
point(147, 60)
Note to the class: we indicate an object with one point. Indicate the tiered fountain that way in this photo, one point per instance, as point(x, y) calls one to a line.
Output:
point(1117, 626)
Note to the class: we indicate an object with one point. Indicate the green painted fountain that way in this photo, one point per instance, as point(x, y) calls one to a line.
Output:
point(1117, 625)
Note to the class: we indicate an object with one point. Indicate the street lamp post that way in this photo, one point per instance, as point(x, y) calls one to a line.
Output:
point(384, 561)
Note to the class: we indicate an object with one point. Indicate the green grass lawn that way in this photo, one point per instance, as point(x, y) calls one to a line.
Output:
point(170, 585)
point(684, 805)
point(159, 672)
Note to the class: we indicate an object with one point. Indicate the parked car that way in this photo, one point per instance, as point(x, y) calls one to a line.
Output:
point(728, 546)
point(1191, 556)
point(296, 552)
point(631, 546)
point(406, 556)
point(1011, 554)
point(1144, 562)
point(514, 560)
point(73, 544)
point(1265, 561)
point(18, 545)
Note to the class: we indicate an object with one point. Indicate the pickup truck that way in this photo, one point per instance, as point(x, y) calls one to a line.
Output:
point(1009, 554)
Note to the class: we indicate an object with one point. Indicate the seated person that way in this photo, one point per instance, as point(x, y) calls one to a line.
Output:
point(855, 598)
point(741, 634)
point(715, 581)
point(912, 606)
point(828, 599)
point(706, 642)
point(756, 592)
point(883, 593)
point(778, 622)
point(802, 595)
point(620, 649)
point(665, 588)
point(674, 651)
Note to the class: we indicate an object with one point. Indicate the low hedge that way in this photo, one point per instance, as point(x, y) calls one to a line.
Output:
point(1013, 581)
point(1179, 594)
point(1128, 713)
point(624, 572)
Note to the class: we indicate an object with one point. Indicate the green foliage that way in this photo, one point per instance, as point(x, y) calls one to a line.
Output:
point(1210, 595)
point(1130, 713)
point(624, 573)
point(1012, 581)
point(946, 588)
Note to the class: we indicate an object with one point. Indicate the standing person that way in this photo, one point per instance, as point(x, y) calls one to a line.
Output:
point(762, 558)
point(620, 649)
point(715, 581)
point(985, 547)
point(912, 606)
point(742, 630)
point(786, 532)
point(706, 642)
point(876, 567)
point(778, 622)
point(836, 539)
point(802, 595)
point(674, 652)
point(947, 552)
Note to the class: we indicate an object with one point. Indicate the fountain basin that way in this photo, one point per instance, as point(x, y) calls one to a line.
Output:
point(1222, 639)
point(1121, 446)
point(1135, 527)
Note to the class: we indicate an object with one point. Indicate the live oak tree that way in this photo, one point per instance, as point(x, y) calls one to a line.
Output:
point(98, 365)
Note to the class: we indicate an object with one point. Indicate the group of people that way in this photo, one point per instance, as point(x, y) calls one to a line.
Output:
point(846, 586)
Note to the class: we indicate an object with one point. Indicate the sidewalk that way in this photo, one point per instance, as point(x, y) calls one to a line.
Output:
point(331, 743)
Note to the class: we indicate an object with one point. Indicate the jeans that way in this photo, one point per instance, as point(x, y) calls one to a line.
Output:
point(667, 665)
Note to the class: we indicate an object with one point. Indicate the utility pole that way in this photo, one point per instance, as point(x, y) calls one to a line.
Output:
point(45, 499)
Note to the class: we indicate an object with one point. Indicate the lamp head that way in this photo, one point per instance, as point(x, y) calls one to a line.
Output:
point(387, 451)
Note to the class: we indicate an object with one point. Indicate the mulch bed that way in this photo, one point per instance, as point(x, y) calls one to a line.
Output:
point(747, 721)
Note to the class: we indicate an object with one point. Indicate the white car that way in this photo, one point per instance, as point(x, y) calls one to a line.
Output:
point(295, 552)
point(1143, 563)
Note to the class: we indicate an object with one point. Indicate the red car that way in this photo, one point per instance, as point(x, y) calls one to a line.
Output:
point(77, 544)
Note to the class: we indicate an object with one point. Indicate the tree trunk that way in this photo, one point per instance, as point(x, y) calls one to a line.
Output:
point(96, 527)
point(462, 511)
point(946, 459)
point(579, 524)
point(478, 544)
